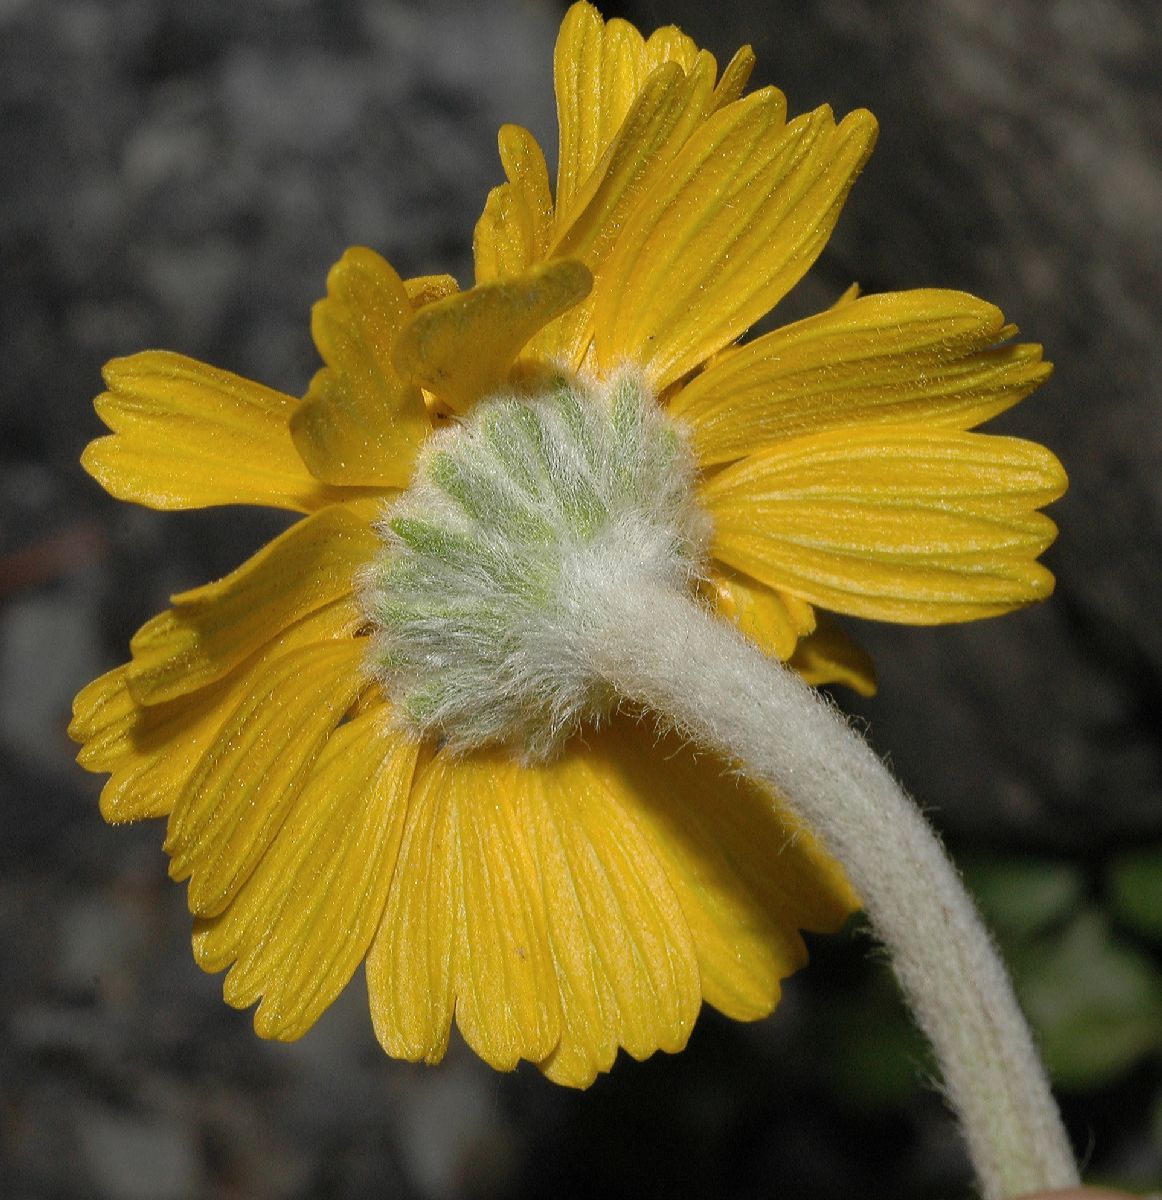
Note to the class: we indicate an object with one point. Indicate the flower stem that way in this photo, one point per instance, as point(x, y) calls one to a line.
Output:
point(660, 649)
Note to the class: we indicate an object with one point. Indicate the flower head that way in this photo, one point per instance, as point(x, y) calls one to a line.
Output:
point(557, 908)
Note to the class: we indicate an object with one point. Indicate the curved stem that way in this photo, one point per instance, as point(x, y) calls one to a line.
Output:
point(662, 650)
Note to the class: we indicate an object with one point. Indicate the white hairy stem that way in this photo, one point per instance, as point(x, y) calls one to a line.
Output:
point(666, 653)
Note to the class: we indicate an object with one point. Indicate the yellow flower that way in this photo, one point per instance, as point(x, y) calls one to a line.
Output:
point(557, 910)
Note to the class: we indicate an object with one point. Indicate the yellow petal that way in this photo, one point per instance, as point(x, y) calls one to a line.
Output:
point(503, 241)
point(302, 922)
point(734, 78)
point(893, 523)
point(211, 629)
point(409, 965)
point(829, 656)
point(773, 621)
point(151, 752)
point(508, 1004)
point(495, 962)
point(921, 357)
point(105, 721)
point(599, 68)
point(670, 44)
point(739, 216)
point(747, 876)
point(424, 289)
point(665, 112)
point(186, 435)
point(596, 70)
point(624, 961)
point(250, 775)
point(462, 348)
point(514, 230)
point(360, 424)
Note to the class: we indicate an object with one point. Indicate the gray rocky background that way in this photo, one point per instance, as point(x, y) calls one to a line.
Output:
point(180, 174)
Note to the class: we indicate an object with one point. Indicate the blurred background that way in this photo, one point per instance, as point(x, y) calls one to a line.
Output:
point(181, 174)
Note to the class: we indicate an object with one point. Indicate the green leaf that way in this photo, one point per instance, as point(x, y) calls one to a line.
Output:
point(1135, 888)
point(1095, 1002)
point(1023, 897)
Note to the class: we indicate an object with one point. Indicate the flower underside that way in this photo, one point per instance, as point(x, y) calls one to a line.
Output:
point(337, 770)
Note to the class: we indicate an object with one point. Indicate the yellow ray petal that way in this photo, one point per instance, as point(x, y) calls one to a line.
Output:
point(829, 655)
point(424, 289)
point(462, 348)
point(186, 435)
point(669, 106)
point(893, 523)
point(773, 621)
point(599, 68)
point(670, 44)
point(503, 241)
point(747, 876)
point(508, 1004)
point(107, 721)
point(921, 357)
point(734, 78)
point(624, 961)
point(596, 74)
point(152, 751)
point(495, 963)
point(409, 965)
point(740, 215)
point(211, 629)
point(360, 424)
point(302, 922)
point(251, 773)
point(524, 165)
point(513, 232)
point(665, 112)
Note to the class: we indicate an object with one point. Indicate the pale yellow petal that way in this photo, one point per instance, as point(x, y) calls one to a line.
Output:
point(186, 435)
point(360, 424)
point(829, 655)
point(771, 620)
point(211, 629)
point(746, 875)
point(734, 223)
point(461, 348)
point(302, 922)
point(921, 357)
point(625, 964)
point(249, 776)
point(893, 523)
